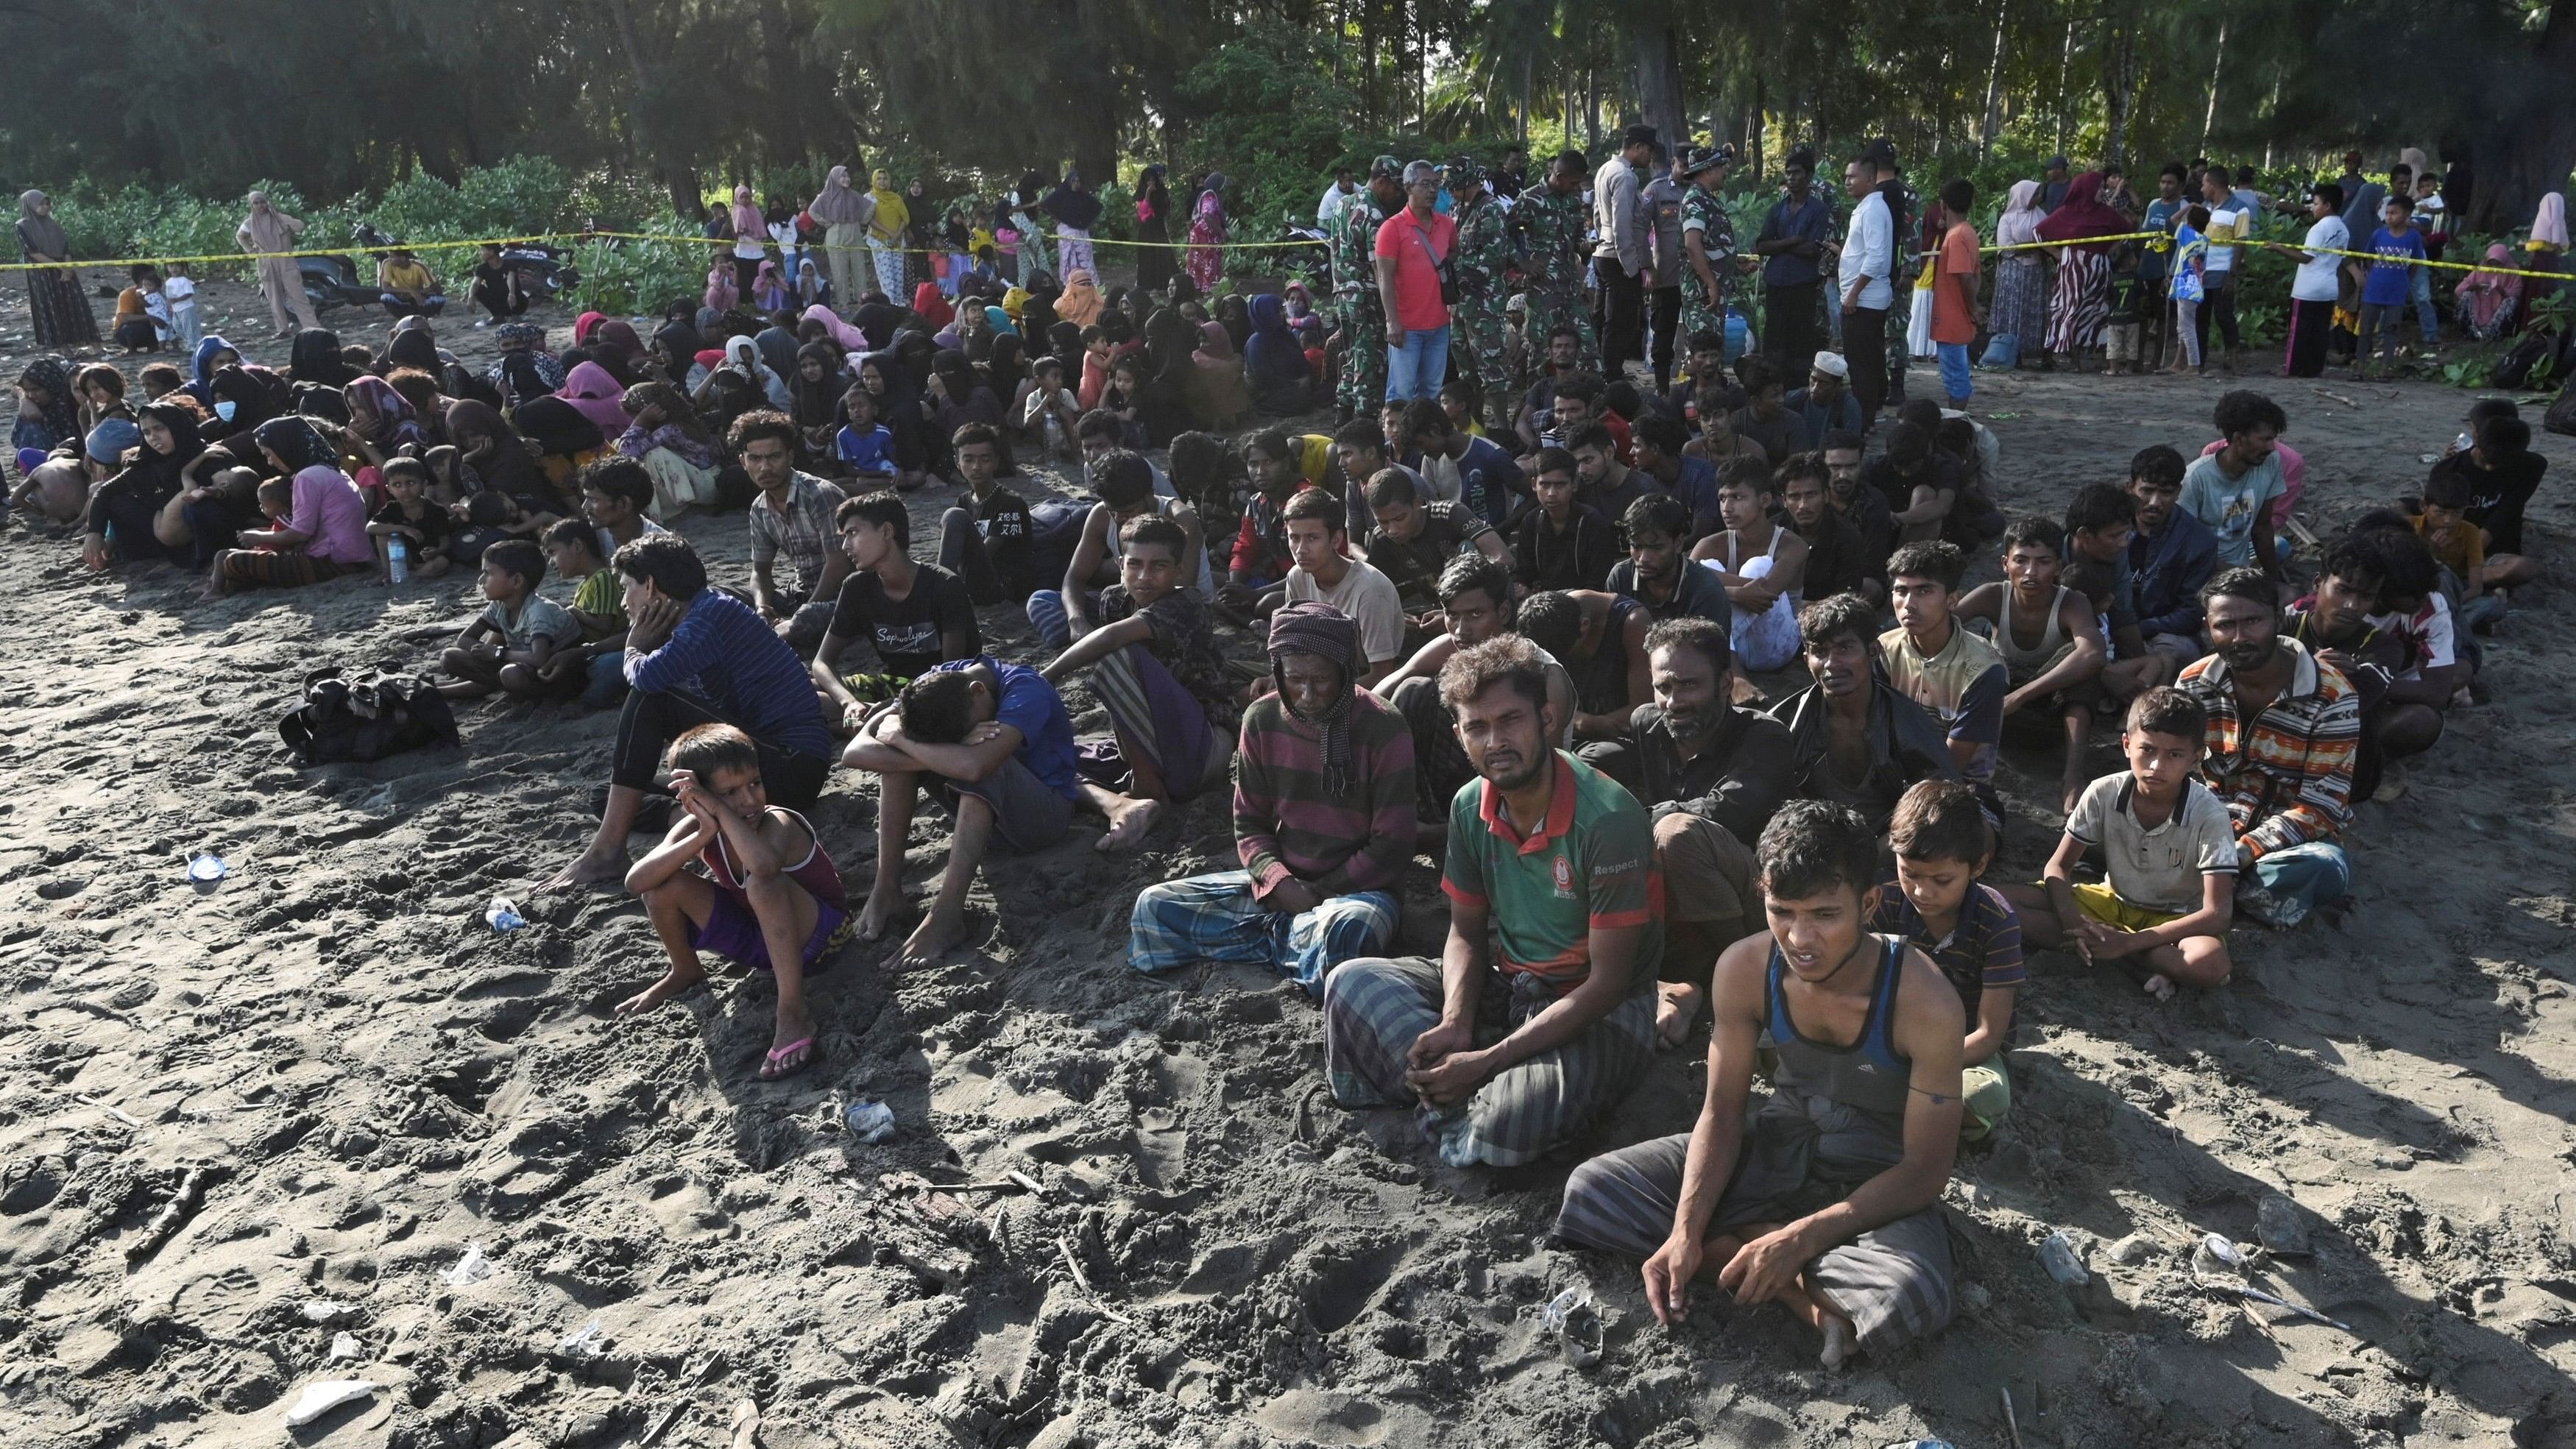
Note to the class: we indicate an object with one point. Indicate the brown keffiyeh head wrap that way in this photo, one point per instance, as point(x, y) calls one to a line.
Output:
point(1311, 627)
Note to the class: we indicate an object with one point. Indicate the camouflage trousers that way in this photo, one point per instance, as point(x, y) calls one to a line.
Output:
point(1362, 388)
point(1550, 309)
point(1477, 331)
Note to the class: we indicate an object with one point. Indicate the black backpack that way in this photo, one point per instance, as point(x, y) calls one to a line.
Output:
point(366, 718)
point(2561, 417)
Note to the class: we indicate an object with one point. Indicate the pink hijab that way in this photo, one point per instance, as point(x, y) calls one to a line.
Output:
point(722, 294)
point(595, 395)
point(850, 338)
point(2550, 224)
point(747, 220)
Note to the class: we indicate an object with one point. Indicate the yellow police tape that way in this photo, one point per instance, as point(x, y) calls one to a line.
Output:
point(2167, 238)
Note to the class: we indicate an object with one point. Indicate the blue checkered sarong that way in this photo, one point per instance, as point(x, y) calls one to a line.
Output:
point(1215, 918)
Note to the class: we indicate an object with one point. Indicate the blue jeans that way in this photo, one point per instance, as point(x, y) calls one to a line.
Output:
point(2297, 879)
point(1955, 379)
point(2419, 290)
point(1419, 367)
point(607, 681)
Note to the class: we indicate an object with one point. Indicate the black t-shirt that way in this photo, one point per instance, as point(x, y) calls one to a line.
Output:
point(905, 631)
point(433, 523)
point(2498, 494)
point(1897, 489)
point(1448, 529)
point(1009, 538)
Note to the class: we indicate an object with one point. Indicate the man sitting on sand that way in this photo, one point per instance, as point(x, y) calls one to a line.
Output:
point(1828, 1200)
point(1323, 819)
point(697, 655)
point(1858, 741)
point(1541, 1012)
point(770, 897)
point(1154, 665)
point(1710, 774)
point(993, 742)
point(2282, 732)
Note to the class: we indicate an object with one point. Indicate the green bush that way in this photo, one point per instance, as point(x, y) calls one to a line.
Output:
point(633, 278)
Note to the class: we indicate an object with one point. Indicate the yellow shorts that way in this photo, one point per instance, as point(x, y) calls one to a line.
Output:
point(2099, 901)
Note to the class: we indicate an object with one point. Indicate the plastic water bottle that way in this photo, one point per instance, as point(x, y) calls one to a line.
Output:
point(503, 916)
point(397, 558)
point(1054, 434)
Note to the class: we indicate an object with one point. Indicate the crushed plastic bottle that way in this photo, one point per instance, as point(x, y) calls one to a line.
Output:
point(398, 559)
point(584, 1341)
point(471, 1269)
point(870, 1122)
point(503, 916)
point(2057, 1254)
point(1579, 1331)
point(207, 868)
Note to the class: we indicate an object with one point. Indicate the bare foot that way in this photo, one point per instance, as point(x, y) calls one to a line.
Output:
point(1841, 1341)
point(592, 868)
point(877, 916)
point(932, 939)
point(673, 982)
point(1128, 825)
point(2160, 987)
point(791, 1047)
point(1676, 1007)
point(2069, 794)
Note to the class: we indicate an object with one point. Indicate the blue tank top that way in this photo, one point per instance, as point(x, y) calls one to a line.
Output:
point(1868, 1074)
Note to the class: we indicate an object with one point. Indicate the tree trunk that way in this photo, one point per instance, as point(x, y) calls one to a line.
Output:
point(2217, 69)
point(2119, 86)
point(1591, 110)
point(1529, 68)
point(680, 182)
point(2066, 89)
point(785, 139)
point(1993, 113)
point(1657, 55)
point(2525, 141)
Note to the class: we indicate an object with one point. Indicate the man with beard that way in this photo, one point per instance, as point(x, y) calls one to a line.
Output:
point(1476, 605)
point(1323, 821)
point(1828, 1199)
point(2282, 733)
point(1541, 1012)
point(1659, 571)
point(1836, 558)
point(1861, 504)
point(1710, 775)
point(1859, 742)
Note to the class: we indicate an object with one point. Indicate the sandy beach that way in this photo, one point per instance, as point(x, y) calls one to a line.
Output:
point(367, 1085)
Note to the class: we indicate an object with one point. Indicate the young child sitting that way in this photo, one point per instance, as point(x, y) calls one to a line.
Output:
point(1968, 929)
point(524, 628)
point(597, 665)
point(770, 897)
point(1044, 398)
point(2171, 857)
point(408, 514)
point(160, 378)
point(2457, 544)
point(866, 445)
point(276, 504)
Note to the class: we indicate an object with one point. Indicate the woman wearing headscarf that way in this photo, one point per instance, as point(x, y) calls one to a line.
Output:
point(876, 322)
point(1081, 302)
point(48, 411)
point(722, 294)
point(817, 384)
point(1153, 230)
point(2491, 296)
point(1207, 232)
point(316, 359)
point(381, 419)
point(1076, 212)
point(1274, 362)
point(136, 516)
point(595, 395)
point(885, 232)
point(501, 461)
point(2083, 271)
point(1214, 387)
point(324, 534)
point(844, 215)
point(526, 370)
point(1006, 367)
point(664, 433)
point(268, 229)
point(1302, 317)
point(921, 229)
point(811, 289)
point(2021, 280)
point(769, 291)
point(1236, 318)
point(850, 338)
point(931, 307)
point(1162, 404)
point(750, 239)
point(2546, 251)
point(62, 315)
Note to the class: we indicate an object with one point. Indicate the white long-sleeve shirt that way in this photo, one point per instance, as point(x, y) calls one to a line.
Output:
point(1614, 215)
point(1869, 250)
point(1329, 209)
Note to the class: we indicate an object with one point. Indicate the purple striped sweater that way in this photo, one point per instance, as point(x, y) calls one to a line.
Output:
point(1284, 822)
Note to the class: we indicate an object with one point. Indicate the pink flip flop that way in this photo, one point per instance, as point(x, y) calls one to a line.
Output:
point(770, 1071)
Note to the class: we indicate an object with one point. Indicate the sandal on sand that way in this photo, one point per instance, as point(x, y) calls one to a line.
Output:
point(802, 1049)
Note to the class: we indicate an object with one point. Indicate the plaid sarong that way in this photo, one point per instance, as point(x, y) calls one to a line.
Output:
point(1374, 1008)
point(1215, 918)
point(1801, 1153)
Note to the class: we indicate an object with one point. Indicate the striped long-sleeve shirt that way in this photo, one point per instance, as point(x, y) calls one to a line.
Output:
point(2285, 774)
point(1286, 824)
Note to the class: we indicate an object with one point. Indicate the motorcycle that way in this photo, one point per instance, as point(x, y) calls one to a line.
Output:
point(543, 272)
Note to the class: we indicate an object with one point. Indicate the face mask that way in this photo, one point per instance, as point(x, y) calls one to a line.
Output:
point(224, 409)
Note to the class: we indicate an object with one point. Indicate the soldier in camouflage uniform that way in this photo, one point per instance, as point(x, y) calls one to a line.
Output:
point(1476, 323)
point(1708, 243)
point(1363, 378)
point(1548, 229)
